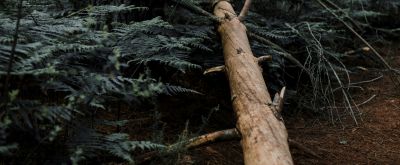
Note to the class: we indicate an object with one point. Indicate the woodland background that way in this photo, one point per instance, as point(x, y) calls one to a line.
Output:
point(120, 81)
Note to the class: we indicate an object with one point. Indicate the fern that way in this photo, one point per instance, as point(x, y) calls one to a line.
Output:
point(117, 144)
point(174, 90)
point(111, 9)
point(63, 55)
point(150, 44)
point(6, 149)
point(76, 60)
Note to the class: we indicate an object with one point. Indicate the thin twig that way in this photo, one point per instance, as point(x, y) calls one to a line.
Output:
point(347, 87)
point(346, 15)
point(275, 46)
point(358, 23)
point(245, 10)
point(228, 134)
point(367, 81)
point(361, 38)
point(304, 148)
point(357, 105)
point(223, 135)
point(353, 85)
point(198, 10)
point(12, 54)
point(34, 19)
point(78, 11)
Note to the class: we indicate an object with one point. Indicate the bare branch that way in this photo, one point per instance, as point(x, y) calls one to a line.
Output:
point(262, 59)
point(228, 134)
point(12, 54)
point(245, 10)
point(215, 69)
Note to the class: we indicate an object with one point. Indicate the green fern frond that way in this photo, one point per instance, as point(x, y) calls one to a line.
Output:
point(117, 144)
point(7, 149)
point(175, 90)
point(111, 9)
point(152, 26)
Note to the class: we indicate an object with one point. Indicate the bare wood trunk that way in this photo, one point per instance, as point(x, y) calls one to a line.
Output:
point(264, 136)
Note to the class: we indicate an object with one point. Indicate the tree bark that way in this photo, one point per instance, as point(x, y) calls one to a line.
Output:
point(264, 136)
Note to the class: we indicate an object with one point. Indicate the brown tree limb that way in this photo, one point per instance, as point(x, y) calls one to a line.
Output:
point(232, 134)
point(245, 10)
point(228, 134)
point(264, 136)
point(223, 135)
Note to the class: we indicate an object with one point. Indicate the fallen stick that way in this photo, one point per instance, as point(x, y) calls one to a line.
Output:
point(228, 134)
point(232, 134)
point(223, 135)
point(359, 50)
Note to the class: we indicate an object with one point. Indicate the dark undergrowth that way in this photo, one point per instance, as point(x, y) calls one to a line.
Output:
point(103, 82)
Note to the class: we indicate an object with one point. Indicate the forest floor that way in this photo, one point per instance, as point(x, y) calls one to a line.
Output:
point(375, 140)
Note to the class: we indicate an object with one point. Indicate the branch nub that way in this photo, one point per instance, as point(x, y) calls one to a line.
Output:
point(215, 69)
point(263, 59)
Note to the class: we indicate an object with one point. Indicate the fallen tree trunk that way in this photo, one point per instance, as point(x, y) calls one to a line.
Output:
point(264, 136)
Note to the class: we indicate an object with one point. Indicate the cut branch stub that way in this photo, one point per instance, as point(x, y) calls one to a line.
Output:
point(278, 100)
point(221, 69)
point(264, 136)
point(263, 59)
point(215, 69)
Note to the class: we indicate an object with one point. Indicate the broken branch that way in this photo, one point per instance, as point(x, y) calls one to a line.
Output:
point(215, 69)
point(263, 59)
point(245, 10)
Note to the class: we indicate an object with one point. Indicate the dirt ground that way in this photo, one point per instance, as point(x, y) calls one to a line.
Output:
point(375, 140)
